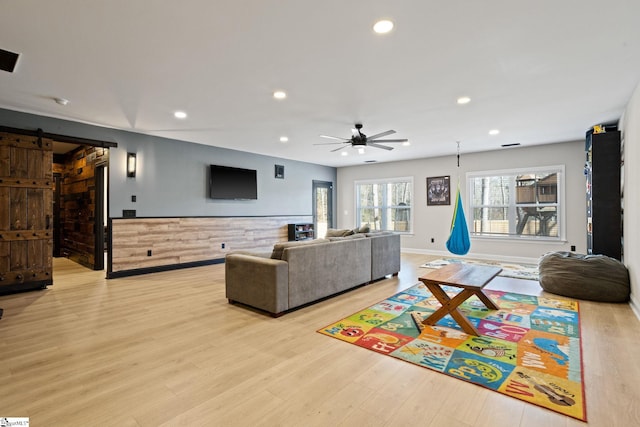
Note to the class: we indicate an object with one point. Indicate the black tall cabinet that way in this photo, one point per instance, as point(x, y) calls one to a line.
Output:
point(604, 211)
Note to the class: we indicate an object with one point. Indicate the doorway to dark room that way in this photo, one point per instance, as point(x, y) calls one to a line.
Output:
point(80, 201)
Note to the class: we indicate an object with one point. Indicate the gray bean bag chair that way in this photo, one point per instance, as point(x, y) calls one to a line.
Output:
point(588, 277)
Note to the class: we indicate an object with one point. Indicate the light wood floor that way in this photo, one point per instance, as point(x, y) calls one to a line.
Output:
point(167, 349)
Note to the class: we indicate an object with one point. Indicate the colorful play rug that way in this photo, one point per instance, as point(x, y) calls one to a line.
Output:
point(529, 349)
point(517, 271)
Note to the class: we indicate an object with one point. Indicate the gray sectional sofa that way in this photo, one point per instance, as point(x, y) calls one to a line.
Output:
point(298, 273)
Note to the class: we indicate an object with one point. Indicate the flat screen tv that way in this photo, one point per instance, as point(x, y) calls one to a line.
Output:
point(228, 183)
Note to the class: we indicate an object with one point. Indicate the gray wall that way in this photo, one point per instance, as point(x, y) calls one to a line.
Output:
point(630, 124)
point(435, 221)
point(172, 180)
point(172, 177)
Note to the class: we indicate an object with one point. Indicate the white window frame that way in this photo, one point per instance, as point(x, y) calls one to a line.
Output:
point(561, 217)
point(383, 207)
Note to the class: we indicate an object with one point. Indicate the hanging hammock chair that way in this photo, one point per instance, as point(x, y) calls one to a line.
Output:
point(459, 242)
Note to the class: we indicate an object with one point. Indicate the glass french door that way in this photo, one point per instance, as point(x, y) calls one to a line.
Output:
point(322, 207)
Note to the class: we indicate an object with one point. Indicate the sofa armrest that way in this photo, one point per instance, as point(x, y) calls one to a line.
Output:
point(258, 282)
point(385, 254)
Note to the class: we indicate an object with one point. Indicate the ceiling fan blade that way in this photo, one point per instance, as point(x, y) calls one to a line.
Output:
point(389, 140)
point(334, 137)
point(330, 143)
point(338, 149)
point(381, 134)
point(384, 147)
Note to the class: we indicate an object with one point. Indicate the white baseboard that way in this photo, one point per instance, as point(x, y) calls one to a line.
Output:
point(634, 307)
point(488, 257)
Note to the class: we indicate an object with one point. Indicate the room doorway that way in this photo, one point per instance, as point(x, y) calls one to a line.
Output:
point(322, 207)
point(80, 202)
point(52, 203)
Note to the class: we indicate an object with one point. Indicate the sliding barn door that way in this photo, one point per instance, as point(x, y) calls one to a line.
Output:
point(26, 212)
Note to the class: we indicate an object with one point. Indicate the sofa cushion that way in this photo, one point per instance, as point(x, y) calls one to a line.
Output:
point(334, 232)
point(376, 233)
point(349, 237)
point(363, 229)
point(279, 248)
point(258, 254)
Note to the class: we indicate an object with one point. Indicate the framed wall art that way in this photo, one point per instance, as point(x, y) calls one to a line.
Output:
point(438, 190)
point(279, 171)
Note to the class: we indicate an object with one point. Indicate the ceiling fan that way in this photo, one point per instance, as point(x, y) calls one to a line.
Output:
point(360, 140)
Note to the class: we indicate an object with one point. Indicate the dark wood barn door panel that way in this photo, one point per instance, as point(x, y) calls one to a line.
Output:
point(26, 209)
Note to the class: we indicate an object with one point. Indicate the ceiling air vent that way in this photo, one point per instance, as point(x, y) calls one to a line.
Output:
point(370, 161)
point(8, 60)
point(510, 145)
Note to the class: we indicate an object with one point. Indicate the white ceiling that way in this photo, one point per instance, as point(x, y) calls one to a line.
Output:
point(540, 72)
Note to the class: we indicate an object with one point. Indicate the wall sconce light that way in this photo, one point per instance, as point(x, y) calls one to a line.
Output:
point(131, 165)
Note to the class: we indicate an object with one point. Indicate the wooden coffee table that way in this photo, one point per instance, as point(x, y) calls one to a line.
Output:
point(471, 278)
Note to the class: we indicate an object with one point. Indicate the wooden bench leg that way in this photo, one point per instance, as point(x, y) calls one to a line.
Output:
point(450, 306)
point(486, 300)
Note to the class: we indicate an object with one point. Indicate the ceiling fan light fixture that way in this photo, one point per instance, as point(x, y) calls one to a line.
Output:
point(383, 26)
point(360, 141)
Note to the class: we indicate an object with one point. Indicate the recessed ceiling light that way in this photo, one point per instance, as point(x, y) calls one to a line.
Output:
point(464, 100)
point(360, 150)
point(406, 143)
point(383, 26)
point(180, 115)
point(279, 94)
point(61, 101)
point(494, 132)
point(344, 153)
point(284, 139)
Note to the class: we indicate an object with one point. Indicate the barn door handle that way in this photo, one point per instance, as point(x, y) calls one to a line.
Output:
point(47, 222)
